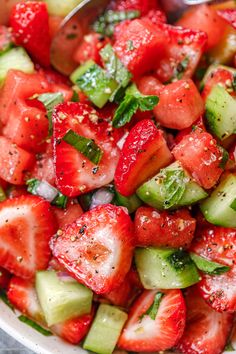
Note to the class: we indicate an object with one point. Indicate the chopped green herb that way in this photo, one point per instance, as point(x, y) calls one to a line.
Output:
point(173, 186)
point(105, 24)
point(229, 348)
point(225, 157)
point(86, 146)
point(50, 100)
point(60, 201)
point(233, 205)
point(200, 72)
point(35, 326)
point(2, 194)
point(207, 266)
point(130, 45)
point(153, 309)
point(71, 36)
point(180, 69)
point(234, 82)
point(132, 101)
point(4, 298)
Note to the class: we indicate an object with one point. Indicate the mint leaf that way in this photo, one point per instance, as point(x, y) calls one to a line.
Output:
point(4, 298)
point(208, 267)
point(34, 325)
point(50, 100)
point(173, 186)
point(132, 101)
point(86, 146)
point(153, 309)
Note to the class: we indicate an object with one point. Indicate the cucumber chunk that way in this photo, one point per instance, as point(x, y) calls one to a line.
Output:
point(132, 203)
point(61, 300)
point(165, 268)
point(171, 188)
point(219, 209)
point(221, 113)
point(15, 58)
point(94, 82)
point(105, 330)
point(60, 7)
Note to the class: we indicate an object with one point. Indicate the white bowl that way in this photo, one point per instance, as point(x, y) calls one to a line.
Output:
point(40, 344)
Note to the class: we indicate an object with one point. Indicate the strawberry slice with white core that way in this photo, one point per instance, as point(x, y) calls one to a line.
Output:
point(26, 225)
point(97, 249)
point(157, 330)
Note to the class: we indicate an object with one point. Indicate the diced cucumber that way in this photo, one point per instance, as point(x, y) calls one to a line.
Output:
point(115, 68)
point(61, 300)
point(15, 58)
point(165, 268)
point(132, 203)
point(61, 7)
point(161, 193)
point(94, 82)
point(220, 208)
point(105, 330)
point(221, 113)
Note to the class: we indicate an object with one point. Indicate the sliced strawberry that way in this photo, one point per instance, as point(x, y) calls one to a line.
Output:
point(156, 16)
point(75, 174)
point(26, 225)
point(206, 19)
point(90, 47)
point(142, 333)
point(144, 152)
point(218, 244)
point(74, 330)
point(22, 295)
point(30, 25)
point(180, 105)
point(5, 277)
point(14, 162)
point(206, 331)
point(164, 229)
point(67, 216)
point(199, 153)
point(183, 50)
point(97, 249)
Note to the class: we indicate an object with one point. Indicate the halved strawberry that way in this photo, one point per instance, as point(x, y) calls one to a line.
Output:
point(180, 105)
point(97, 249)
point(14, 162)
point(68, 215)
point(218, 244)
point(74, 330)
point(26, 225)
point(22, 294)
point(144, 152)
point(163, 229)
point(75, 174)
point(200, 154)
point(30, 25)
point(206, 331)
point(156, 331)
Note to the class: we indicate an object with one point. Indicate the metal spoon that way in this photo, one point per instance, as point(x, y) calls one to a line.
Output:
point(77, 24)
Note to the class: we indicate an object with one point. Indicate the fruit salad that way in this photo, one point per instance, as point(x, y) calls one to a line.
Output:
point(118, 181)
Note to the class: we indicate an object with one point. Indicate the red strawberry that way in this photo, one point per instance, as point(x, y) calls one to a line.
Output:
point(5, 277)
point(30, 25)
point(144, 6)
point(218, 244)
point(75, 174)
point(22, 295)
point(200, 154)
point(26, 225)
point(206, 331)
point(229, 15)
point(97, 249)
point(144, 152)
point(74, 330)
point(44, 168)
point(14, 162)
point(67, 216)
point(151, 334)
point(164, 229)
